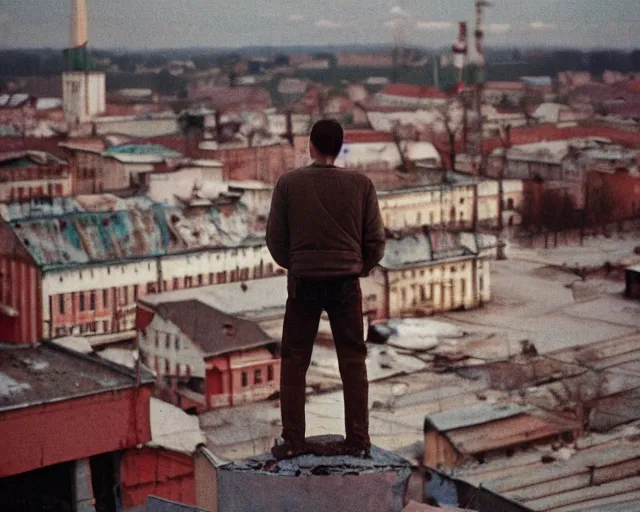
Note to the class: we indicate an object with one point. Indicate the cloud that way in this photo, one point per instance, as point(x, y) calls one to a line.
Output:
point(434, 25)
point(499, 28)
point(295, 18)
point(541, 25)
point(328, 24)
point(4, 17)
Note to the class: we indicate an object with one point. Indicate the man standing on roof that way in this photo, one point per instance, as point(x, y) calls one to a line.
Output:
point(325, 228)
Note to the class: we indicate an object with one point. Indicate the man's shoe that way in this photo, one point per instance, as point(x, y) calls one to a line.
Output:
point(289, 450)
point(360, 449)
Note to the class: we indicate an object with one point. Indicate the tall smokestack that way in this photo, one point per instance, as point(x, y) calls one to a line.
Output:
point(78, 30)
point(460, 49)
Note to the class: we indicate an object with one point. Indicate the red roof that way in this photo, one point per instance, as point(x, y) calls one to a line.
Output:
point(413, 91)
point(548, 132)
point(366, 136)
point(505, 86)
point(633, 86)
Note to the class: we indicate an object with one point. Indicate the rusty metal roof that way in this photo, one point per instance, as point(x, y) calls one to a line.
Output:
point(47, 373)
point(96, 237)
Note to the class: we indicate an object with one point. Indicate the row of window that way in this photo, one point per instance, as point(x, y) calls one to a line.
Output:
point(130, 294)
point(257, 376)
point(25, 193)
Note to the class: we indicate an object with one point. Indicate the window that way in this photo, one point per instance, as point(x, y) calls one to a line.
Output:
point(270, 373)
point(61, 304)
point(177, 342)
point(418, 219)
point(510, 204)
point(257, 377)
point(167, 341)
point(105, 298)
point(200, 280)
point(211, 278)
point(81, 301)
point(245, 380)
point(157, 339)
point(176, 283)
point(135, 292)
point(105, 326)
point(92, 302)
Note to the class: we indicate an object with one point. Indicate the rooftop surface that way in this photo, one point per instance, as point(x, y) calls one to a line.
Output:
point(93, 237)
point(45, 373)
point(212, 330)
point(231, 298)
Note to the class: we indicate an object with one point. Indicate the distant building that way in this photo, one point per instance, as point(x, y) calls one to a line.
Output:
point(426, 272)
point(212, 359)
point(501, 93)
point(117, 168)
point(82, 272)
point(364, 60)
point(83, 89)
point(27, 175)
point(412, 96)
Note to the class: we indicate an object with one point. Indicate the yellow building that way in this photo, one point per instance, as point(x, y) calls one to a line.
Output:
point(428, 272)
point(449, 200)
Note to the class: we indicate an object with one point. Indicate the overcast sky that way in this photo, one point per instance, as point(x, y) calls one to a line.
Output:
point(141, 24)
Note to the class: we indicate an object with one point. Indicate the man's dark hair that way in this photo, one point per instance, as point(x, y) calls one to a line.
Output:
point(327, 136)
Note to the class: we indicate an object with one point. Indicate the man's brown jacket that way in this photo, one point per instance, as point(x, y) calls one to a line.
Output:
point(325, 222)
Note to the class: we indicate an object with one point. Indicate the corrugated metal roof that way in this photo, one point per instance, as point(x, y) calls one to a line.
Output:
point(422, 248)
point(88, 237)
point(477, 414)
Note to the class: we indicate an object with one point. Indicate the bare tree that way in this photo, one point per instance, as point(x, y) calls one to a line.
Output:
point(450, 119)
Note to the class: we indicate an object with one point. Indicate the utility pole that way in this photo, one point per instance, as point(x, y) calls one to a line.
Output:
point(480, 80)
point(505, 137)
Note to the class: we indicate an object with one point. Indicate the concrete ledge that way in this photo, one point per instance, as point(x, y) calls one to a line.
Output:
point(314, 484)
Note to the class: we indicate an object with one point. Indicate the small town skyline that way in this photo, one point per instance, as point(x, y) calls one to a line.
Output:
point(584, 24)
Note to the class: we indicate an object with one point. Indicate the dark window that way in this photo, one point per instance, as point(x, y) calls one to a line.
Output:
point(61, 304)
point(81, 300)
point(167, 341)
point(270, 373)
point(92, 301)
point(157, 340)
point(200, 280)
point(105, 298)
point(257, 377)
point(177, 342)
point(245, 380)
point(105, 326)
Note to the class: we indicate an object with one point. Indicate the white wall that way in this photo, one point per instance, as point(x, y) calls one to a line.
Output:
point(84, 95)
point(185, 354)
point(165, 186)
